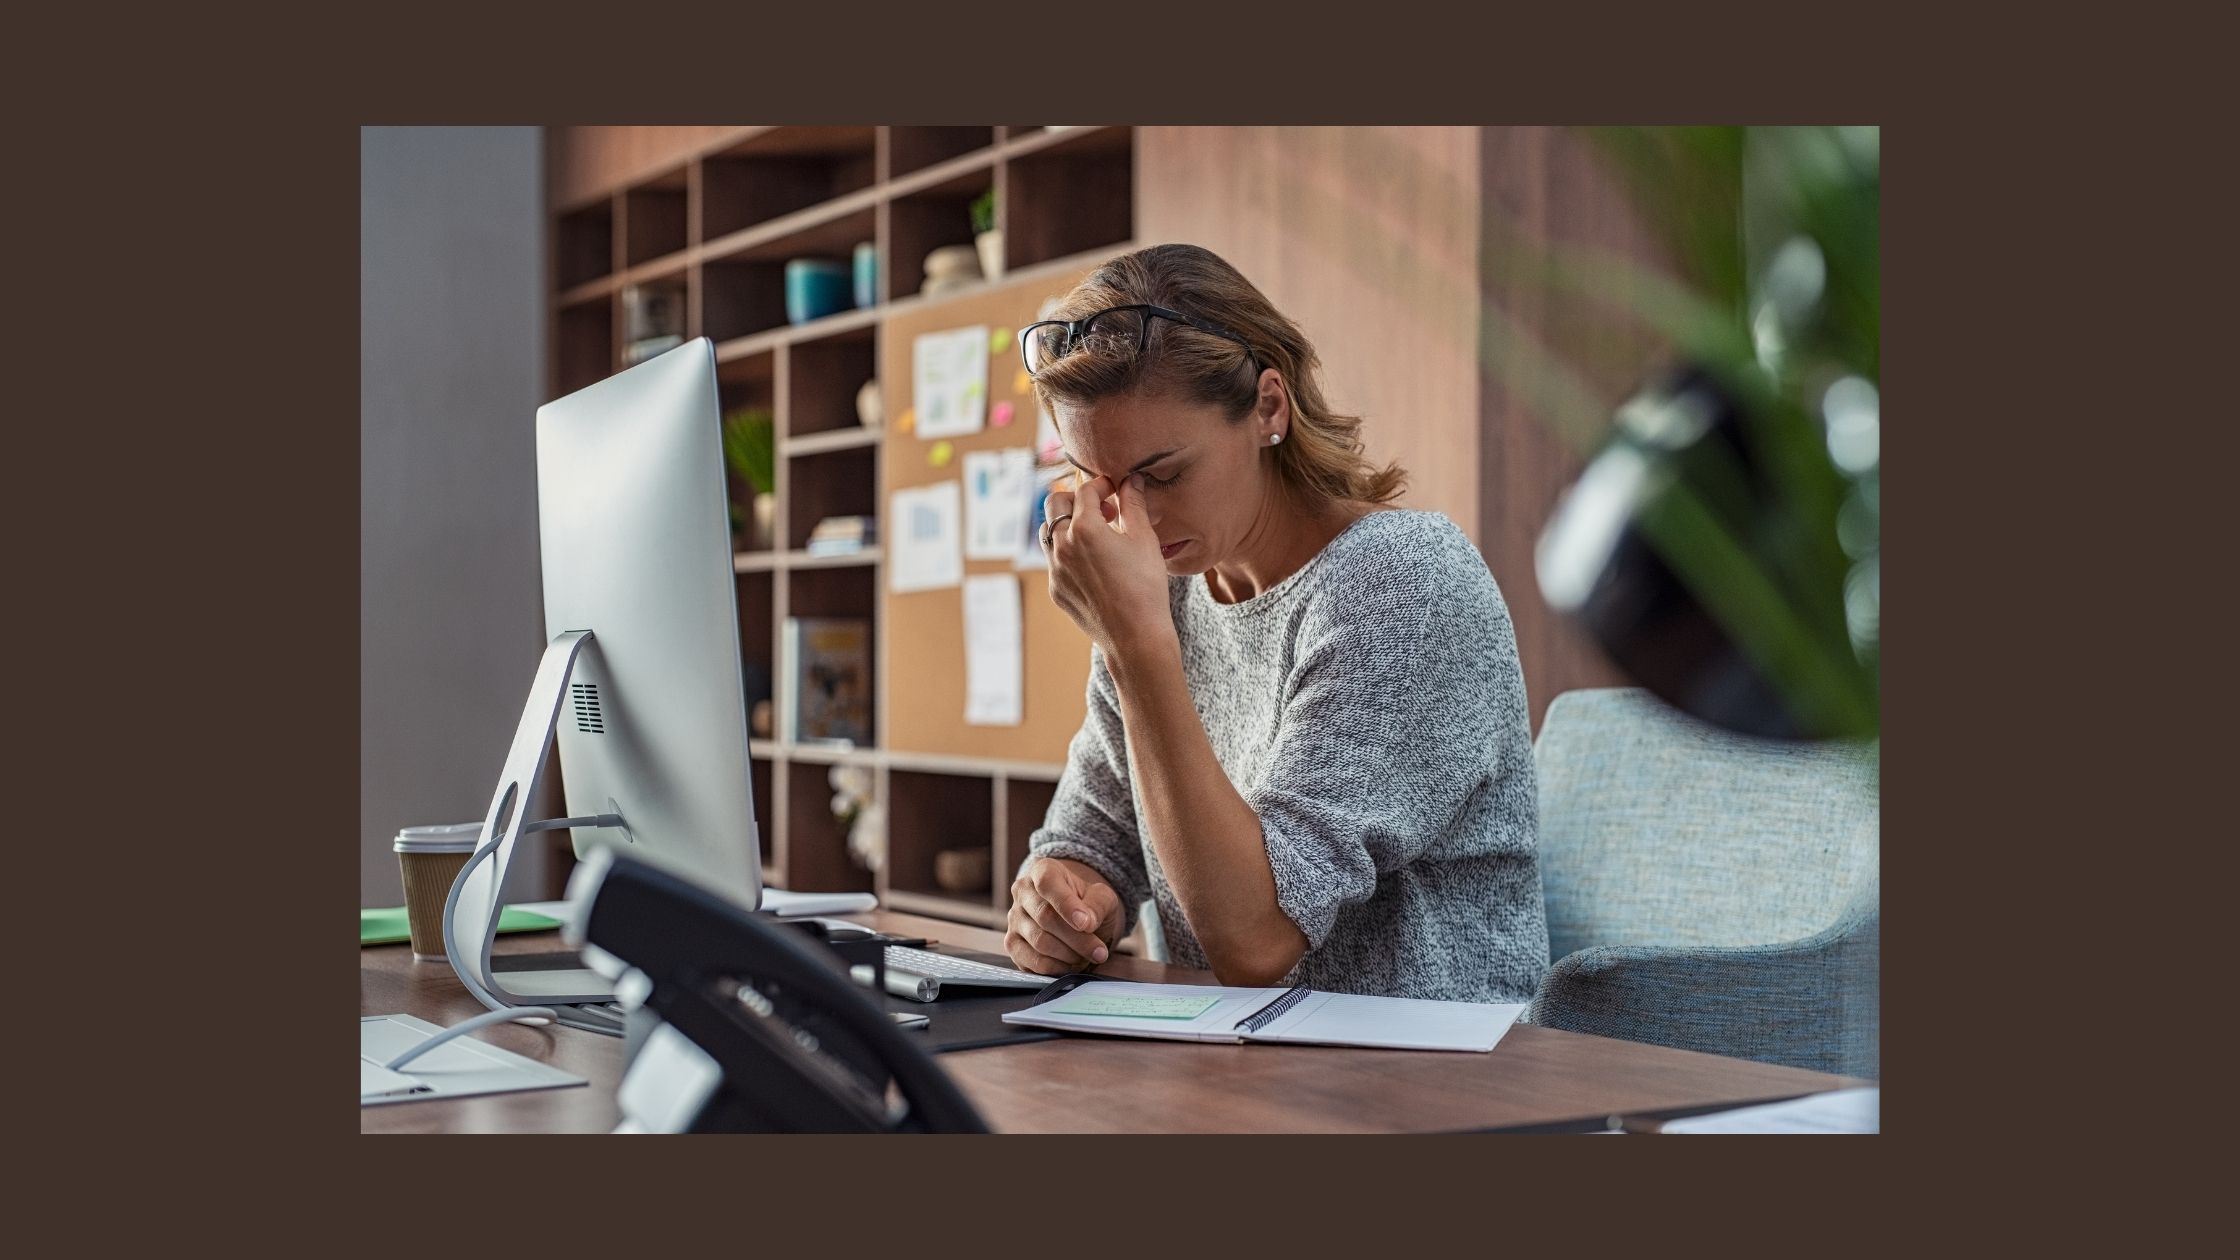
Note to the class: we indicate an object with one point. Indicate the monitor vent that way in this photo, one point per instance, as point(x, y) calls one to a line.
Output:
point(588, 718)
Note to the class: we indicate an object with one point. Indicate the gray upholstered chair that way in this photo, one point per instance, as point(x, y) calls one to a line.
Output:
point(1708, 891)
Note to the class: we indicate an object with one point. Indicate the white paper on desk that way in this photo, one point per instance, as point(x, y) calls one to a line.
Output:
point(949, 381)
point(778, 901)
point(997, 490)
point(922, 556)
point(992, 665)
point(1837, 1111)
point(458, 1068)
point(1392, 1023)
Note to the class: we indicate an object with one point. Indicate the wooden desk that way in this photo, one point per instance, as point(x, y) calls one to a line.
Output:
point(1116, 1085)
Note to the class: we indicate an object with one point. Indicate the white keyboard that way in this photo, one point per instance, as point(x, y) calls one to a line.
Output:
point(918, 974)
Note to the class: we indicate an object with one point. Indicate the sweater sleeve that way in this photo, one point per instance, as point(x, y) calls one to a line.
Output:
point(1396, 713)
point(1092, 816)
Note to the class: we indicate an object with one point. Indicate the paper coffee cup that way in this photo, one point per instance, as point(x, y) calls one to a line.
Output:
point(429, 859)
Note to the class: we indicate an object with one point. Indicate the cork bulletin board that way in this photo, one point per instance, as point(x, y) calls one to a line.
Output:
point(922, 632)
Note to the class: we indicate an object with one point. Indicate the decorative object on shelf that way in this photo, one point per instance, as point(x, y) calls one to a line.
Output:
point(859, 816)
point(843, 535)
point(750, 448)
point(828, 662)
point(950, 268)
point(866, 260)
point(761, 718)
point(815, 288)
point(986, 236)
point(870, 410)
point(652, 320)
point(963, 871)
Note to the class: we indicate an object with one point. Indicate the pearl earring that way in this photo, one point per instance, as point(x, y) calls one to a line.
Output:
point(1274, 438)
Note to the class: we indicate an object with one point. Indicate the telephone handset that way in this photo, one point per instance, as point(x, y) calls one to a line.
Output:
point(764, 1031)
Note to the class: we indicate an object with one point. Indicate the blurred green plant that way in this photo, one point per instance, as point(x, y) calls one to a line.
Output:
point(750, 450)
point(750, 447)
point(984, 212)
point(1774, 236)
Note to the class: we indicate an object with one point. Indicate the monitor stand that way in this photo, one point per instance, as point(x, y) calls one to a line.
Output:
point(470, 912)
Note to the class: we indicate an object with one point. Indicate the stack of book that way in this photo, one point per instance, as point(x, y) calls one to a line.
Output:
point(843, 535)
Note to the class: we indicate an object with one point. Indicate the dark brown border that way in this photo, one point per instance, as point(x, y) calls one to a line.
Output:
point(214, 557)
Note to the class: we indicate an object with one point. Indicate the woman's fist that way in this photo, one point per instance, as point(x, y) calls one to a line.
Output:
point(1064, 917)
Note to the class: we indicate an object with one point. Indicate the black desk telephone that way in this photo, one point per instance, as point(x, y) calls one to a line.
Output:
point(761, 1031)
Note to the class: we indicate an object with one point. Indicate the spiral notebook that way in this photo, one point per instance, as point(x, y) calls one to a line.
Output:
point(1190, 1012)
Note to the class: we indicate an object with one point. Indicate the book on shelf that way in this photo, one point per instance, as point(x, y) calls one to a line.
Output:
point(843, 535)
point(828, 664)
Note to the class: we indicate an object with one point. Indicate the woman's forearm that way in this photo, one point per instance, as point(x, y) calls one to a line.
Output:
point(1205, 833)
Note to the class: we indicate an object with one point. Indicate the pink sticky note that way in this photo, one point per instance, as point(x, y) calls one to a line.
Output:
point(1000, 414)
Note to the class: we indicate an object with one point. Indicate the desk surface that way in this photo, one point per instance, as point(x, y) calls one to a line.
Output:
point(1118, 1085)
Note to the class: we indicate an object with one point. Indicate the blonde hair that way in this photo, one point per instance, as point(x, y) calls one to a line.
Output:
point(1321, 457)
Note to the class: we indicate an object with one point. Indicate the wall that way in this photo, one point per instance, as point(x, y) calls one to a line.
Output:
point(451, 338)
point(1386, 245)
point(1542, 185)
point(1367, 237)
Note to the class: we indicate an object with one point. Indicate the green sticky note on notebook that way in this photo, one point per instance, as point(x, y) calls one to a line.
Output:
point(389, 924)
point(1138, 1006)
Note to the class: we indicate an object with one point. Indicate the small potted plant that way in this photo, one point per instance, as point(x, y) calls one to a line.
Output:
point(987, 236)
point(750, 448)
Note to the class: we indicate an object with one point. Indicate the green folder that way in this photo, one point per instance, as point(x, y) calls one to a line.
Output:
point(387, 925)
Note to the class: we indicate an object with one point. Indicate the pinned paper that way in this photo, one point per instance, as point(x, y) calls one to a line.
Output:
point(1039, 486)
point(999, 341)
point(999, 415)
point(949, 381)
point(1022, 383)
point(991, 650)
point(941, 454)
point(996, 489)
point(907, 421)
point(923, 554)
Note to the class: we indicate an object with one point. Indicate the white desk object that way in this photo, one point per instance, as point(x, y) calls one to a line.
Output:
point(456, 1069)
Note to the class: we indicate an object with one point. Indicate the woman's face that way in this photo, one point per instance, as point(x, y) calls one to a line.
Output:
point(1205, 479)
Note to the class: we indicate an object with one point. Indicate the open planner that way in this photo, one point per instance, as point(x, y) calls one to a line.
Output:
point(1190, 1012)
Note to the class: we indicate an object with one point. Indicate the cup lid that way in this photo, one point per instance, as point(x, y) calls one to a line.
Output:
point(444, 838)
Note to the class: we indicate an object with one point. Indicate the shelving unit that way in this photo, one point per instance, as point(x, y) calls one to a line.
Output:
point(721, 224)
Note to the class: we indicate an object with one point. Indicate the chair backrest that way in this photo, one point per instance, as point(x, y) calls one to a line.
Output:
point(1658, 830)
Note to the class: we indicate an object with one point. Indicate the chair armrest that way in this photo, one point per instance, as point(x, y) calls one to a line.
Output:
point(1812, 1003)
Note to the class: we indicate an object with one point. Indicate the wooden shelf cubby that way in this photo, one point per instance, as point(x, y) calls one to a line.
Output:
point(722, 222)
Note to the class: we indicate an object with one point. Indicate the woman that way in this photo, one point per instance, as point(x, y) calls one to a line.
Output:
point(1306, 737)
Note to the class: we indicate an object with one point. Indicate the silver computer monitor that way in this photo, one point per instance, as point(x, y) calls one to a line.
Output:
point(649, 709)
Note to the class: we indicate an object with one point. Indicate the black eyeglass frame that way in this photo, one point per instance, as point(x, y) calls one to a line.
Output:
point(1076, 327)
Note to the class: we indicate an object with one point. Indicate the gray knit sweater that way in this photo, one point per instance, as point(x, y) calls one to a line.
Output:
point(1371, 710)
